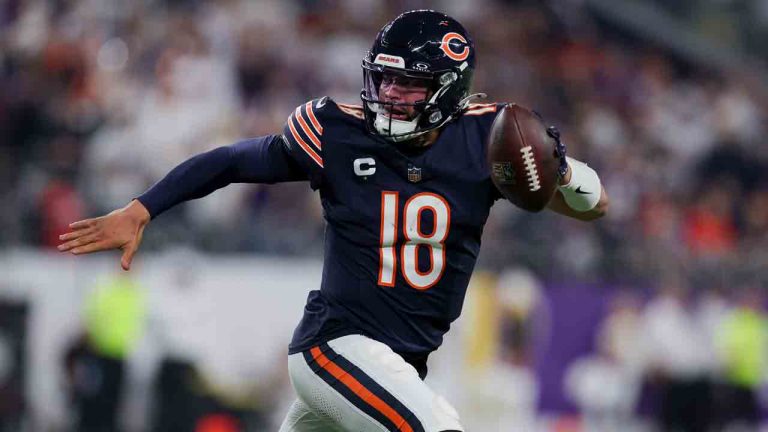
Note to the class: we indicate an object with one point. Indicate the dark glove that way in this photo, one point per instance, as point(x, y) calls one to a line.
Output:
point(559, 151)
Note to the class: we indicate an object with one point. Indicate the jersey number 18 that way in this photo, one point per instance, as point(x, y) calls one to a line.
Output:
point(414, 238)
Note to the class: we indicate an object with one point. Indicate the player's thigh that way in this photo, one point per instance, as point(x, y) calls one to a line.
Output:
point(327, 406)
point(364, 386)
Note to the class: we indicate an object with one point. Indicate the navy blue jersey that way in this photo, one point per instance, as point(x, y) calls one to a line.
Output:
point(403, 225)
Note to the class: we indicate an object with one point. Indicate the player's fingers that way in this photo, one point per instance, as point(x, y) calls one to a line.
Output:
point(85, 223)
point(70, 235)
point(65, 246)
point(78, 241)
point(127, 258)
point(92, 247)
point(131, 248)
point(75, 234)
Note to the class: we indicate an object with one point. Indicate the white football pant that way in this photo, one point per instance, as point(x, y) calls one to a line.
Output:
point(356, 384)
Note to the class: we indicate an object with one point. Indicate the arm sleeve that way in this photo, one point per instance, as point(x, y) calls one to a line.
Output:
point(258, 160)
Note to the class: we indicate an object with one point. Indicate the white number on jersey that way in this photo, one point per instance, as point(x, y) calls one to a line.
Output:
point(414, 239)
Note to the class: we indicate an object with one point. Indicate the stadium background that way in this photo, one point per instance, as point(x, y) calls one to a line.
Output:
point(568, 326)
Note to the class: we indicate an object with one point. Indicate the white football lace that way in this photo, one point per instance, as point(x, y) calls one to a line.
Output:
point(534, 183)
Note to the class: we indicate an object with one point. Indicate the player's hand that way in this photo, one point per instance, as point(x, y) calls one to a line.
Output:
point(120, 229)
point(559, 152)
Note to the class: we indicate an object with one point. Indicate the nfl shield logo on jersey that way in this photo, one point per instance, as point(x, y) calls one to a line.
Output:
point(414, 174)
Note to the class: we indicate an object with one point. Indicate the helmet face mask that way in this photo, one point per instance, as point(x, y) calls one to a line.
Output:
point(417, 47)
point(386, 112)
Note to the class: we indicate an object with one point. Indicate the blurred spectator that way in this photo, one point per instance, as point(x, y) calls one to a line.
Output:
point(603, 389)
point(177, 316)
point(710, 231)
point(95, 363)
point(14, 364)
point(742, 342)
point(674, 358)
point(619, 333)
point(605, 385)
point(501, 388)
point(712, 307)
point(754, 225)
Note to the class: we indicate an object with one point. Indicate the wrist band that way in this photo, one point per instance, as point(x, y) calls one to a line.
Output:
point(583, 192)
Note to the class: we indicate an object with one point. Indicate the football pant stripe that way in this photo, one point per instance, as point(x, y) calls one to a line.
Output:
point(307, 149)
point(307, 130)
point(313, 119)
point(361, 390)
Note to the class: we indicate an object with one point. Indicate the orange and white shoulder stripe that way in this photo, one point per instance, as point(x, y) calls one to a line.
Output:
point(309, 131)
point(353, 110)
point(481, 108)
point(312, 118)
point(305, 130)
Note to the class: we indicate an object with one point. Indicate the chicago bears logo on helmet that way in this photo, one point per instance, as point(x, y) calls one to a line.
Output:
point(445, 45)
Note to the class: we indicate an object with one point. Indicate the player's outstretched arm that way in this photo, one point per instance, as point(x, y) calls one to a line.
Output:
point(257, 160)
point(120, 229)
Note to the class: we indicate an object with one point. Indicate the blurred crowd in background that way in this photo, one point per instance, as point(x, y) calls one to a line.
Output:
point(100, 98)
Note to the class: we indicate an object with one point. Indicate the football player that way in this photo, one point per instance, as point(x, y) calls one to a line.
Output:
point(406, 191)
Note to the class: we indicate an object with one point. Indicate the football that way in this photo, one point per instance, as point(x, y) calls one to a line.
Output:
point(522, 159)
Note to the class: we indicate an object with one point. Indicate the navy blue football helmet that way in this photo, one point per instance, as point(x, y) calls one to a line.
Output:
point(423, 45)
